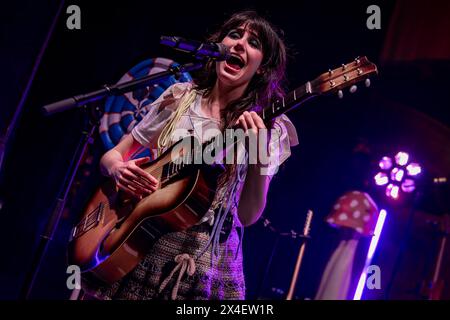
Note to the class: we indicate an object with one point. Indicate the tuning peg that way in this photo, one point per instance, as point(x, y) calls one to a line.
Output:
point(353, 89)
point(367, 82)
point(340, 94)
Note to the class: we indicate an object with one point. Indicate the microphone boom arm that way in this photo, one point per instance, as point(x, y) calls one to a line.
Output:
point(118, 89)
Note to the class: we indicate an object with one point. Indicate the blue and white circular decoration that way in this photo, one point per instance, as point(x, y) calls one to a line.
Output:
point(123, 112)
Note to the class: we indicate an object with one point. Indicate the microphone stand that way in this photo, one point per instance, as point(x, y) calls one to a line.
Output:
point(82, 101)
point(301, 252)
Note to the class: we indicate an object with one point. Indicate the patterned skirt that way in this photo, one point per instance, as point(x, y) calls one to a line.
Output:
point(175, 269)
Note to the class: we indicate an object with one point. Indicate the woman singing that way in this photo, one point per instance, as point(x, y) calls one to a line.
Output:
point(205, 261)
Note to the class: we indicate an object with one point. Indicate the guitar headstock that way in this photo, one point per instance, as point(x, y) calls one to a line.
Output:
point(345, 76)
point(332, 81)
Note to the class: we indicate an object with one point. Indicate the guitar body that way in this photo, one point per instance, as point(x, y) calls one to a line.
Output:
point(115, 231)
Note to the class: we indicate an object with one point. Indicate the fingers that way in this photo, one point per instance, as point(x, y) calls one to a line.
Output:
point(134, 167)
point(125, 188)
point(257, 120)
point(136, 186)
point(142, 174)
point(135, 192)
point(242, 123)
point(250, 121)
point(140, 161)
point(132, 178)
point(130, 175)
point(259, 123)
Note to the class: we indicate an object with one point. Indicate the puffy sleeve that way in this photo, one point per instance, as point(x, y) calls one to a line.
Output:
point(147, 131)
point(283, 136)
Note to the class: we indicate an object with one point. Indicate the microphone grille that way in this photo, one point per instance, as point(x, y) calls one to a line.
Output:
point(224, 51)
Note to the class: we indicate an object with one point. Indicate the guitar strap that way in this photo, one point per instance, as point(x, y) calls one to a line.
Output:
point(164, 139)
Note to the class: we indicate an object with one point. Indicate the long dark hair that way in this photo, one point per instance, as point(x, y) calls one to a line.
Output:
point(263, 87)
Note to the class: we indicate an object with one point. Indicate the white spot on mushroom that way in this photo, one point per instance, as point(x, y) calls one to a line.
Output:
point(354, 203)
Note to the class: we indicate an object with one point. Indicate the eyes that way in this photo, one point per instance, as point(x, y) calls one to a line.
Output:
point(252, 40)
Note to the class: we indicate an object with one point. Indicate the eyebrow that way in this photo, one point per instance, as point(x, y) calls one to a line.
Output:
point(249, 31)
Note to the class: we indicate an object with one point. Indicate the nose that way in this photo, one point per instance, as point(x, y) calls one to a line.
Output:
point(239, 45)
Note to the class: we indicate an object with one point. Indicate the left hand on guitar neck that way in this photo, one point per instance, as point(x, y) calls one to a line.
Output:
point(251, 123)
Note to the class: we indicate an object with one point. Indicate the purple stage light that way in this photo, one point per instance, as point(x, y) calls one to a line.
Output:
point(392, 191)
point(413, 169)
point(408, 185)
point(401, 158)
point(381, 179)
point(397, 174)
point(399, 177)
point(385, 163)
point(370, 253)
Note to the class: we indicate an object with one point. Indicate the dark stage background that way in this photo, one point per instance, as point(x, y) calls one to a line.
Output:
point(407, 108)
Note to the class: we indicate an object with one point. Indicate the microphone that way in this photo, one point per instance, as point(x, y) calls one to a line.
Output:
point(200, 50)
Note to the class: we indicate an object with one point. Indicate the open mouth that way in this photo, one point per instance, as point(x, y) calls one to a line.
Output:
point(235, 62)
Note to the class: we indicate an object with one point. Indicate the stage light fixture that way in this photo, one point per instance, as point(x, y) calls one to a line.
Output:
point(398, 174)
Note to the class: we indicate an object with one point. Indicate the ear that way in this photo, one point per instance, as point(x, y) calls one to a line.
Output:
point(259, 71)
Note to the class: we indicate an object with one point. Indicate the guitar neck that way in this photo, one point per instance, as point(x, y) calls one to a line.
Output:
point(290, 101)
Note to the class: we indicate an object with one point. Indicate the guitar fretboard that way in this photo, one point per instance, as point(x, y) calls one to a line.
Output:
point(288, 102)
